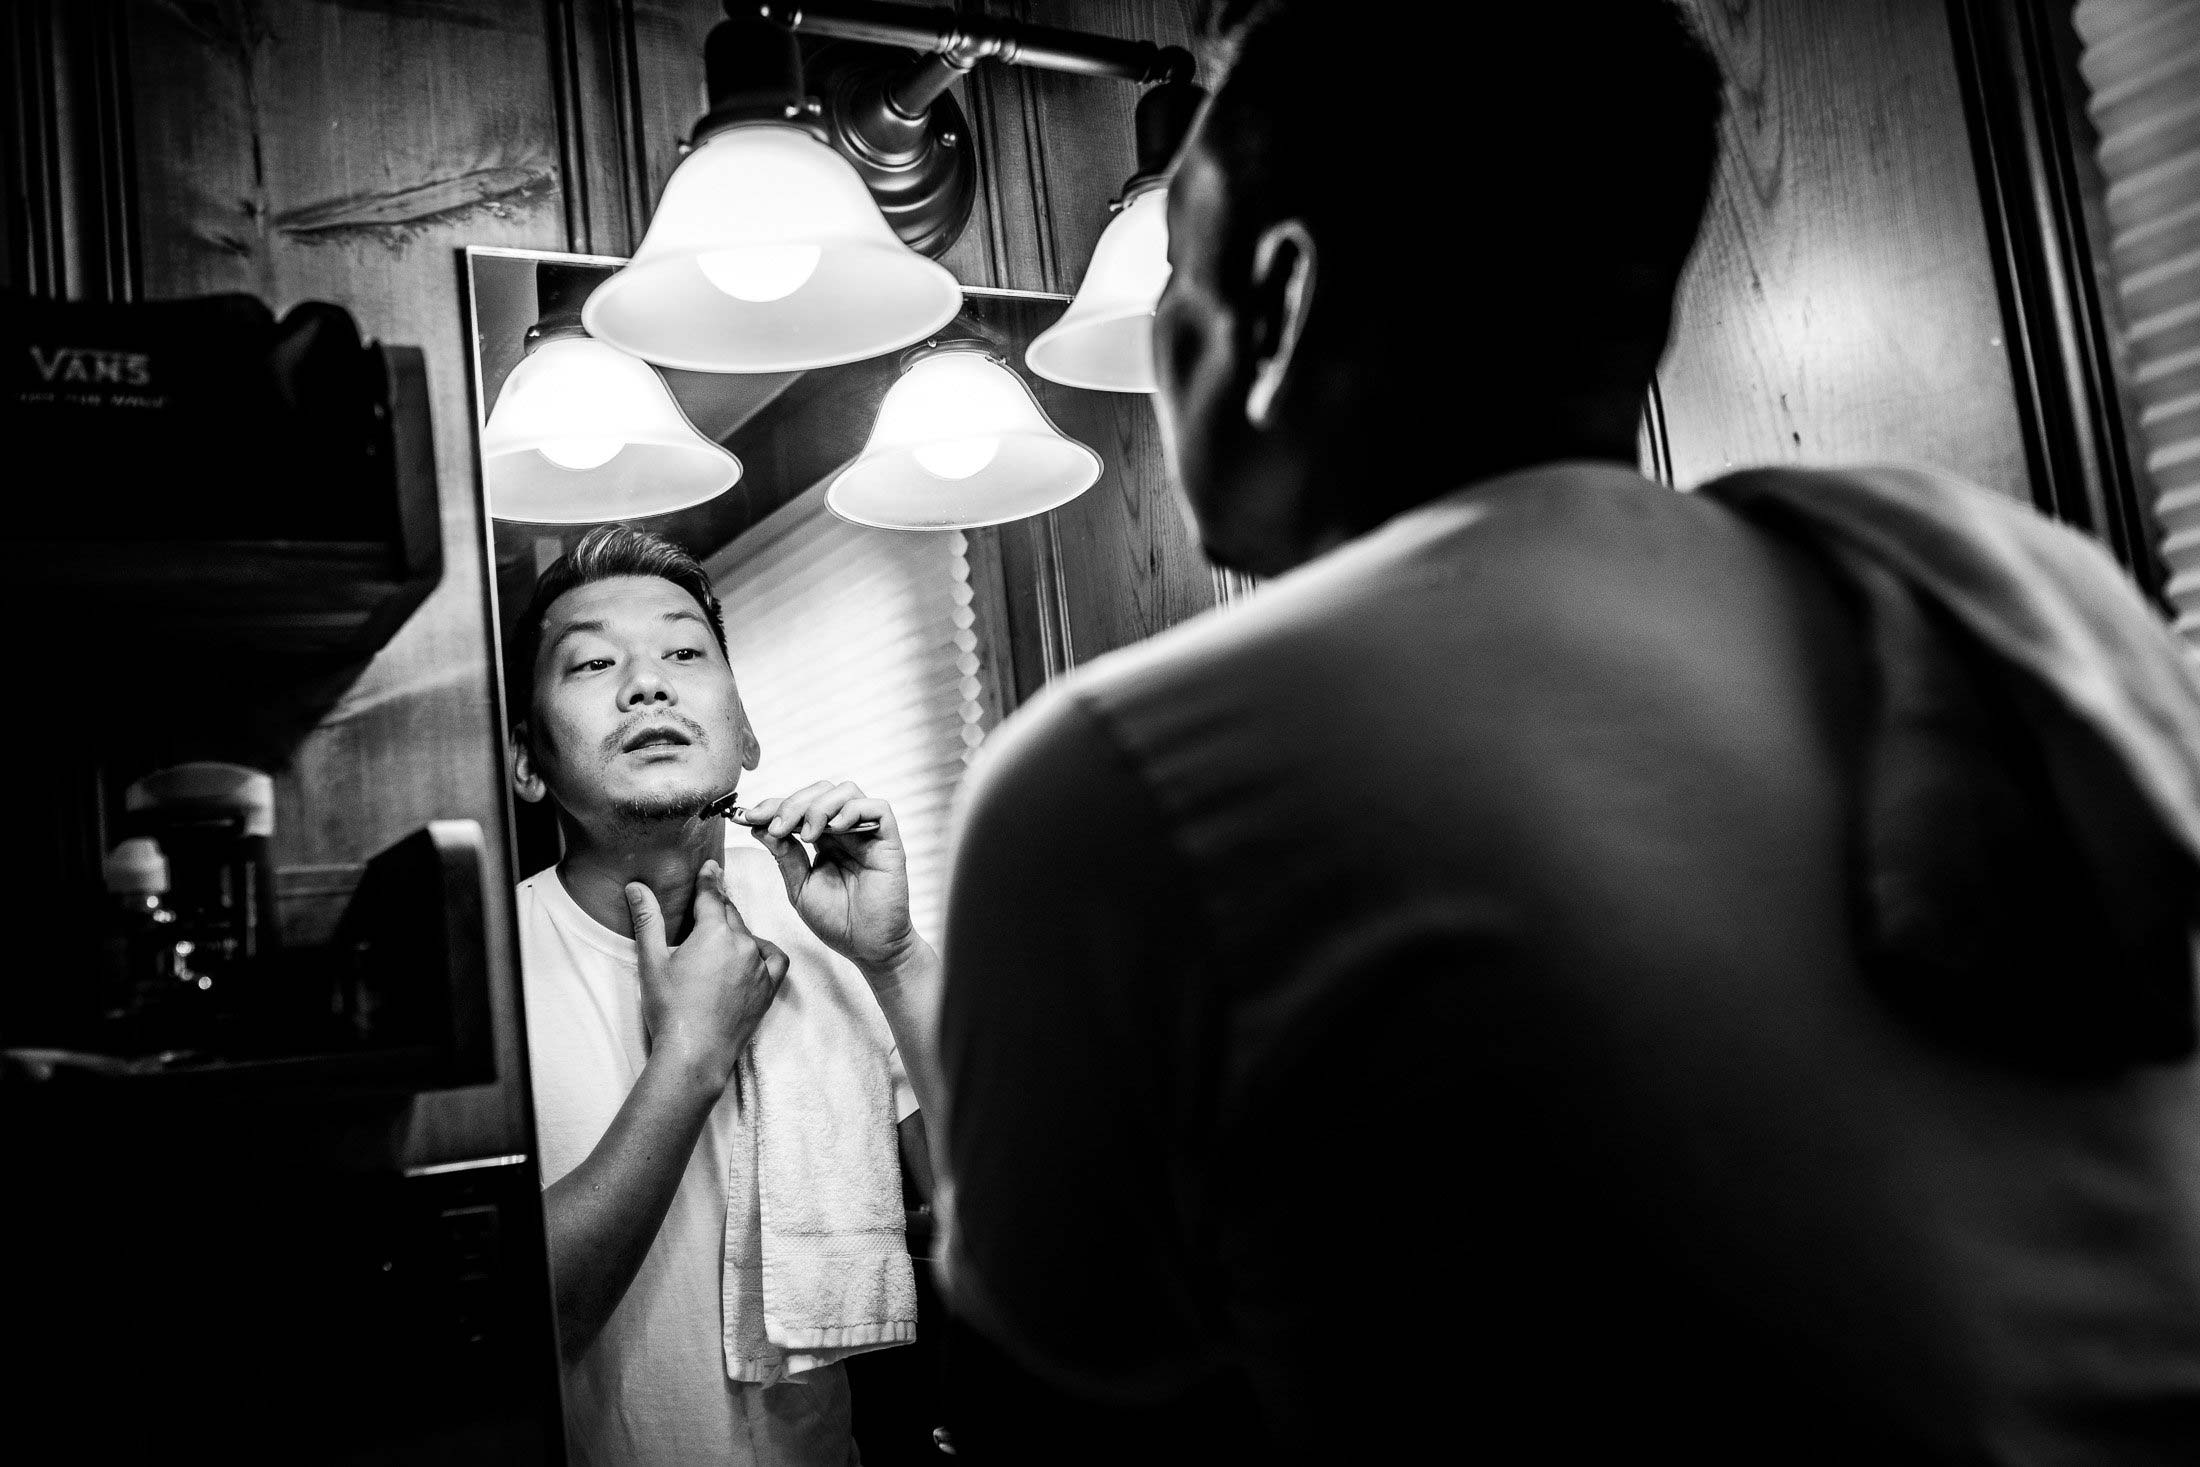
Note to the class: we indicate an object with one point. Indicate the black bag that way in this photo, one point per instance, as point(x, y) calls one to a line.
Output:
point(193, 420)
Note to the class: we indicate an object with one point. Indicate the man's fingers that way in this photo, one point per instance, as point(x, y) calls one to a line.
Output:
point(858, 810)
point(795, 810)
point(649, 926)
point(712, 903)
point(775, 962)
point(826, 808)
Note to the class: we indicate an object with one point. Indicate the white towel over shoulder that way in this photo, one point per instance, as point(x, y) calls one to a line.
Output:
point(816, 1258)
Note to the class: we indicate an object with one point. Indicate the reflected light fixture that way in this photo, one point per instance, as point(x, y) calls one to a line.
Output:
point(1105, 339)
point(583, 432)
point(960, 442)
point(797, 230)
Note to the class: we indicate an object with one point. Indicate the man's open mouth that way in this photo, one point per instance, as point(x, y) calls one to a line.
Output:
point(649, 738)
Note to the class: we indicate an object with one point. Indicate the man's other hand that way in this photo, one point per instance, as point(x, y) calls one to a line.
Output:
point(854, 892)
point(702, 1001)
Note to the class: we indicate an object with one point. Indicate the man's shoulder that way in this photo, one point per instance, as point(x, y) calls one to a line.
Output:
point(1520, 555)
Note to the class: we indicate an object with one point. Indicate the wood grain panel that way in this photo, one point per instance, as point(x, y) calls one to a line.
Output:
point(1117, 564)
point(301, 151)
point(668, 77)
point(1130, 566)
point(1841, 306)
point(591, 55)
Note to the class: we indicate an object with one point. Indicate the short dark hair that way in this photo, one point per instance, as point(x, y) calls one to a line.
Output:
point(1587, 132)
point(604, 552)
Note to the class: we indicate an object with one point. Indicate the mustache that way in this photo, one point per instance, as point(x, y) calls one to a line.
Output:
point(634, 728)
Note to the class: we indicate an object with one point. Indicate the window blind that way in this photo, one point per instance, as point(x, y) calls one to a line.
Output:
point(858, 657)
point(2142, 68)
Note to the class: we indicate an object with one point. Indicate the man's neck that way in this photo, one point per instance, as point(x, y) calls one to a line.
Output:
point(1312, 517)
point(663, 855)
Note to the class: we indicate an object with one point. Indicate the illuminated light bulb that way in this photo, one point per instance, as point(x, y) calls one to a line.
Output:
point(767, 253)
point(581, 453)
point(582, 432)
point(957, 458)
point(959, 441)
point(1104, 341)
point(760, 272)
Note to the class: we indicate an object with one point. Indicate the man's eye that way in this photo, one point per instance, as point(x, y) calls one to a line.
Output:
point(593, 664)
point(685, 654)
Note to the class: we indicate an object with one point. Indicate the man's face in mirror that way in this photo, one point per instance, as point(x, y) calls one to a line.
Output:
point(636, 716)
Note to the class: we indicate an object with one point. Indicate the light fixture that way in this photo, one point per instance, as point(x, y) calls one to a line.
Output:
point(582, 432)
point(1105, 339)
point(960, 442)
point(769, 251)
point(795, 233)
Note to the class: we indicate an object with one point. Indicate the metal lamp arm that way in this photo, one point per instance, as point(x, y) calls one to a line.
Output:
point(959, 42)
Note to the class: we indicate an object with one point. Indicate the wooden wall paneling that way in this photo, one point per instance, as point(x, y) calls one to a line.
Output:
point(72, 222)
point(1841, 306)
point(1034, 615)
point(1129, 564)
point(298, 151)
point(1117, 564)
point(1056, 148)
point(668, 81)
point(603, 161)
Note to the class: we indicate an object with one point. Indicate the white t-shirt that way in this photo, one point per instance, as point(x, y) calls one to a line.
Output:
point(653, 1387)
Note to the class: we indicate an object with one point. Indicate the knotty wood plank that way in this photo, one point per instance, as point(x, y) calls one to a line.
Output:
point(1841, 305)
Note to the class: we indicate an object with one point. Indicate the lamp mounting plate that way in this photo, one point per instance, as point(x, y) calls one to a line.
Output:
point(921, 171)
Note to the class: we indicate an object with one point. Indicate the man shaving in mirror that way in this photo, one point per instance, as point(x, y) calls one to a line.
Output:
point(663, 966)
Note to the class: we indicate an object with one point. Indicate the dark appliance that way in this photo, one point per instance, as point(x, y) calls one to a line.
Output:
point(299, 1221)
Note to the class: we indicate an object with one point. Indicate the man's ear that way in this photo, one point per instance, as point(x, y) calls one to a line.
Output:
point(1283, 278)
point(752, 751)
point(526, 778)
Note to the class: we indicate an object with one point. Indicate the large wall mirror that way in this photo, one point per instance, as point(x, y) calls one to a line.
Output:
point(873, 654)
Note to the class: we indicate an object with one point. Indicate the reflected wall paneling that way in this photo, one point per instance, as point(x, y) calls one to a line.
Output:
point(1842, 306)
point(307, 151)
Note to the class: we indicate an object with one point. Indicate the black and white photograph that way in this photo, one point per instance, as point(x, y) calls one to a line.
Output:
point(1084, 733)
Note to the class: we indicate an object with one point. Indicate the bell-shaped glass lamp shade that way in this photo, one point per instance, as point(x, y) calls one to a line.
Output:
point(960, 442)
point(1105, 339)
point(583, 432)
point(767, 254)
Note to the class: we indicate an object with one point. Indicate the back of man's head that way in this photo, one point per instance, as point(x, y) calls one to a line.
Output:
point(1498, 190)
point(603, 553)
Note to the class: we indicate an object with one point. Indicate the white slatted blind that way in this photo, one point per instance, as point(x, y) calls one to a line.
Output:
point(857, 655)
point(2142, 67)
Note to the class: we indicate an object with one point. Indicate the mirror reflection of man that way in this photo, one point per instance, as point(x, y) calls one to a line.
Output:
point(1569, 971)
point(652, 955)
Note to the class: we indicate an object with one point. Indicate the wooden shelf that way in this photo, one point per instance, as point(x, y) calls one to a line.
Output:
point(395, 1071)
